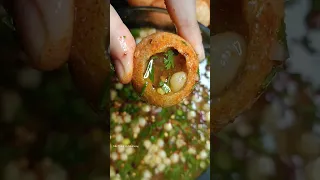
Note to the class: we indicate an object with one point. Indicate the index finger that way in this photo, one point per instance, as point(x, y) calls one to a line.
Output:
point(184, 17)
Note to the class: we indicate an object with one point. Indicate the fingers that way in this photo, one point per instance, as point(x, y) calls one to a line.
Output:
point(46, 30)
point(122, 46)
point(140, 2)
point(185, 19)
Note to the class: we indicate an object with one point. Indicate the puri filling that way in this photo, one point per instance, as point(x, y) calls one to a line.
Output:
point(167, 71)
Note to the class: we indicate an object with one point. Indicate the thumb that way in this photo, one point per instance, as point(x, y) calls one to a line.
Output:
point(46, 30)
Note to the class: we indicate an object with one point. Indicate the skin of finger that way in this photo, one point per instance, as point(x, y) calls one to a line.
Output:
point(46, 40)
point(184, 17)
point(140, 2)
point(122, 46)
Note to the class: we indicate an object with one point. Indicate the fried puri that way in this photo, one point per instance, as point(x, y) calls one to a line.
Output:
point(165, 69)
point(89, 63)
point(264, 21)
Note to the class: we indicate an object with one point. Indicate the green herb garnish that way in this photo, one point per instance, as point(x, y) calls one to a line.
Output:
point(160, 123)
point(161, 83)
point(152, 139)
point(165, 113)
point(164, 87)
point(208, 59)
point(150, 70)
point(144, 88)
point(184, 43)
point(282, 36)
point(151, 76)
point(128, 93)
point(135, 32)
point(269, 78)
point(169, 59)
point(130, 108)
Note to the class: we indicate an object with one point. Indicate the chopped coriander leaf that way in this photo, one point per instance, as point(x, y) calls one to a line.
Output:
point(184, 43)
point(135, 32)
point(165, 113)
point(160, 123)
point(154, 57)
point(161, 83)
point(128, 93)
point(129, 108)
point(144, 88)
point(269, 78)
point(151, 77)
point(169, 59)
point(152, 139)
point(164, 87)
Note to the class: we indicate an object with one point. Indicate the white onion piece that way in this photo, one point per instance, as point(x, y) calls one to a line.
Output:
point(228, 51)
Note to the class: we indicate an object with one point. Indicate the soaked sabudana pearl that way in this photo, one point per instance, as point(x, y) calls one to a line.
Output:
point(177, 81)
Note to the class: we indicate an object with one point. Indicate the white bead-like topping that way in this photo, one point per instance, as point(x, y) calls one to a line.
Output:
point(168, 126)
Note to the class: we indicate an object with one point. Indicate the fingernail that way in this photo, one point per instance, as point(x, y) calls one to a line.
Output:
point(200, 52)
point(123, 73)
point(119, 68)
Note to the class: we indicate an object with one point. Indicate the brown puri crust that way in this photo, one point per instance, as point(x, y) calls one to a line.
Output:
point(247, 89)
point(89, 64)
point(157, 43)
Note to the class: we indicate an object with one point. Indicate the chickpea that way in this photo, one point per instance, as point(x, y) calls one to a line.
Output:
point(177, 81)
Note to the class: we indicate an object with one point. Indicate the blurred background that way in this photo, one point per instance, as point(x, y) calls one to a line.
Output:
point(47, 131)
point(279, 138)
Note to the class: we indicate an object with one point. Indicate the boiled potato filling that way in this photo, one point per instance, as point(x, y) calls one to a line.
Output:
point(228, 51)
point(167, 71)
point(229, 40)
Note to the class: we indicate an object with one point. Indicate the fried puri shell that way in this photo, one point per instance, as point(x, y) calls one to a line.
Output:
point(89, 64)
point(243, 93)
point(158, 43)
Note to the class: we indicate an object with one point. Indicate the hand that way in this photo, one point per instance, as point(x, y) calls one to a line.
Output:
point(122, 49)
point(46, 30)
